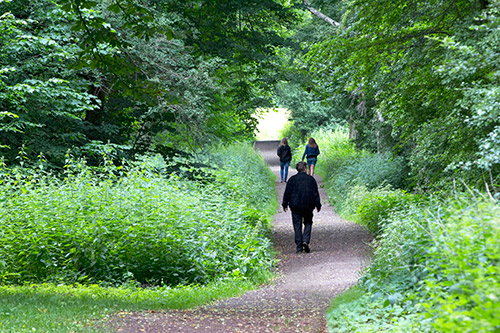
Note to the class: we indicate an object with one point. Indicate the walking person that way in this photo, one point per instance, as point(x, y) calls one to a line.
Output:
point(311, 152)
point(285, 154)
point(302, 196)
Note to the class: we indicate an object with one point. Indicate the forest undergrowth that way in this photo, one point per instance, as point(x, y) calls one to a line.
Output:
point(436, 259)
point(94, 240)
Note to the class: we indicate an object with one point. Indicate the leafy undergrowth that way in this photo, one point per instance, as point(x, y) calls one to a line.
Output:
point(358, 311)
point(436, 259)
point(131, 237)
point(140, 225)
point(362, 186)
point(435, 268)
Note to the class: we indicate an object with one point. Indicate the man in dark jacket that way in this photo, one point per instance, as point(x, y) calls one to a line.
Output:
point(302, 196)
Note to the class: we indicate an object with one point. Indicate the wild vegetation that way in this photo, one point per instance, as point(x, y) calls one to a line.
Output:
point(124, 129)
point(417, 87)
point(137, 223)
point(435, 257)
point(416, 80)
point(136, 226)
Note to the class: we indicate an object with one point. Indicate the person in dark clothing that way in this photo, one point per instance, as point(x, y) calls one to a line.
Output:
point(311, 152)
point(302, 196)
point(285, 154)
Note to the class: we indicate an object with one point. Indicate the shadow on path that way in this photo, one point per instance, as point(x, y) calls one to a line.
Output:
point(297, 300)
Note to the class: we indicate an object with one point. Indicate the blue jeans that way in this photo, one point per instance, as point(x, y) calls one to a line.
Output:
point(284, 170)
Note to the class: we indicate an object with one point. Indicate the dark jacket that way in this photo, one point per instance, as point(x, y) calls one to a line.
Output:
point(285, 153)
point(301, 193)
point(310, 152)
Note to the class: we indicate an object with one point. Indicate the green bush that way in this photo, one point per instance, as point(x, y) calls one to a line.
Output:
point(374, 209)
point(361, 186)
point(435, 268)
point(370, 170)
point(347, 170)
point(396, 266)
point(462, 291)
point(292, 133)
point(141, 225)
point(362, 312)
point(245, 176)
point(371, 207)
point(436, 259)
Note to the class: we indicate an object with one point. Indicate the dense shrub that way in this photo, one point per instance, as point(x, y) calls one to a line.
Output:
point(434, 269)
point(137, 223)
point(244, 176)
point(364, 312)
point(359, 184)
point(372, 170)
point(396, 262)
point(436, 259)
point(334, 146)
point(462, 290)
point(371, 207)
point(292, 133)
point(336, 150)
point(365, 169)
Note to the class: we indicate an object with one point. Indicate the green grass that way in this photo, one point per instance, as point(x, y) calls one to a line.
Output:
point(81, 308)
point(350, 295)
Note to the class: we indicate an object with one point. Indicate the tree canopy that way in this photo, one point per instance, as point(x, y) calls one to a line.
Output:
point(125, 76)
point(422, 81)
point(119, 77)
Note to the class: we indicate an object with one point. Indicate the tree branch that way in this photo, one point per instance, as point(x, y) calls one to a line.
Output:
point(320, 15)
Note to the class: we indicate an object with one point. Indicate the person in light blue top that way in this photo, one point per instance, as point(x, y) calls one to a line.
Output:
point(311, 152)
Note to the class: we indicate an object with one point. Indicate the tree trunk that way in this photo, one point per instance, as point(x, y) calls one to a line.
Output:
point(320, 15)
point(353, 133)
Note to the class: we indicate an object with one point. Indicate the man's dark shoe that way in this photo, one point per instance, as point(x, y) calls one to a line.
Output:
point(306, 248)
point(298, 251)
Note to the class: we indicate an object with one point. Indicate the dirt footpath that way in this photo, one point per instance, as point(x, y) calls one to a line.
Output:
point(297, 300)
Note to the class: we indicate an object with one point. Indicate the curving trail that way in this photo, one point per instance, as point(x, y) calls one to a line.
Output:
point(307, 282)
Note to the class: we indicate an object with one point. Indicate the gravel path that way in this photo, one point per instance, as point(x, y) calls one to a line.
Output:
point(297, 300)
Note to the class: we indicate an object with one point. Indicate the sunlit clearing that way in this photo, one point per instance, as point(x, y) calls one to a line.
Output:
point(271, 123)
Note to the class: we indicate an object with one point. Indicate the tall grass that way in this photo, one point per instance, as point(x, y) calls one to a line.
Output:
point(436, 259)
